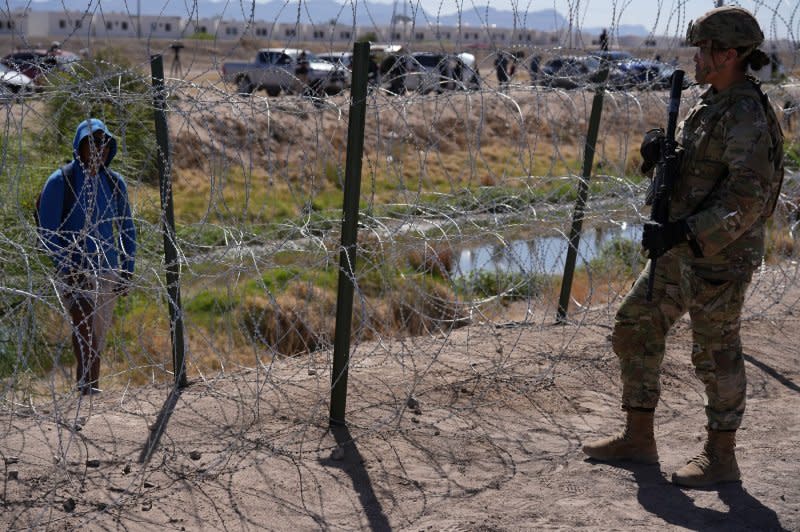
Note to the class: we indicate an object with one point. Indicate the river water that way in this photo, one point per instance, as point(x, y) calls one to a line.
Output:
point(542, 254)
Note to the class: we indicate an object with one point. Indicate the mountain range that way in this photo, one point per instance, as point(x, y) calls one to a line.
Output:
point(323, 11)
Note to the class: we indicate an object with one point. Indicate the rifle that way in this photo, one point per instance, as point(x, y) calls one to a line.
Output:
point(667, 169)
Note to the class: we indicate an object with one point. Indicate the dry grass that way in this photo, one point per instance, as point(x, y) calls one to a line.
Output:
point(301, 320)
point(435, 258)
point(425, 308)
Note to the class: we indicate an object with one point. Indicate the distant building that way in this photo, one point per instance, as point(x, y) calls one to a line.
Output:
point(157, 27)
point(11, 23)
point(29, 25)
point(200, 25)
point(61, 24)
point(112, 25)
point(229, 30)
point(260, 29)
point(115, 25)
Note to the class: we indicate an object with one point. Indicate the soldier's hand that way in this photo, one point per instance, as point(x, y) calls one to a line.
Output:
point(651, 149)
point(658, 238)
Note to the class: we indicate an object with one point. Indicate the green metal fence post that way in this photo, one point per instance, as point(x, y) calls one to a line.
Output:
point(583, 193)
point(170, 250)
point(347, 255)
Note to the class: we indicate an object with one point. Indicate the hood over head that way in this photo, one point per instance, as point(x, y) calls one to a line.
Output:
point(87, 128)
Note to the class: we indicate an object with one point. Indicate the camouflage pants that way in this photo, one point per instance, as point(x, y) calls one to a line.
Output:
point(714, 307)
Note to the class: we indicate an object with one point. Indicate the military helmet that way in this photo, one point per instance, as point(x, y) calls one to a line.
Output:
point(728, 26)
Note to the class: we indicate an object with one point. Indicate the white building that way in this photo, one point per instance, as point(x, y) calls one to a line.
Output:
point(260, 29)
point(114, 25)
point(320, 33)
point(229, 30)
point(499, 36)
point(288, 33)
point(61, 24)
point(12, 23)
point(343, 33)
point(200, 25)
point(160, 27)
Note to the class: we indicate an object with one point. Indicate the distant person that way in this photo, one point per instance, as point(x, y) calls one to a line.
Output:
point(775, 64)
point(396, 69)
point(311, 89)
point(301, 70)
point(87, 229)
point(604, 40)
point(176, 69)
point(501, 63)
point(535, 66)
point(373, 72)
point(458, 72)
point(516, 57)
point(445, 75)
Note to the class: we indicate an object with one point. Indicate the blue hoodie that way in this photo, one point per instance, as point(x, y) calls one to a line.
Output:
point(85, 241)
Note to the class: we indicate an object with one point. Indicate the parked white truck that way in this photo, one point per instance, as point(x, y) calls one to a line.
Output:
point(276, 70)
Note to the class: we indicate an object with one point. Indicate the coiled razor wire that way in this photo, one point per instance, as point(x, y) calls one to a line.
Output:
point(467, 196)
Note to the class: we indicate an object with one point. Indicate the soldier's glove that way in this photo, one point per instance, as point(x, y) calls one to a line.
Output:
point(658, 238)
point(651, 149)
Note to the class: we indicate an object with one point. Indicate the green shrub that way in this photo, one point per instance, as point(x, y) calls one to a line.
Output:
point(370, 36)
point(109, 88)
point(510, 286)
point(792, 152)
point(25, 343)
point(620, 254)
point(211, 302)
point(202, 36)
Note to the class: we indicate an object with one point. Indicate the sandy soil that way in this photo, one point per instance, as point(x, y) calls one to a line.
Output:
point(479, 429)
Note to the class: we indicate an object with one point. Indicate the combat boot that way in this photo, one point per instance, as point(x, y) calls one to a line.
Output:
point(714, 465)
point(635, 444)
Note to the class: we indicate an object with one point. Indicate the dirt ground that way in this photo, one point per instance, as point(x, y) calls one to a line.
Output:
point(479, 429)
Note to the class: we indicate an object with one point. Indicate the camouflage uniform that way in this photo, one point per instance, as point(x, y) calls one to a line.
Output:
point(731, 169)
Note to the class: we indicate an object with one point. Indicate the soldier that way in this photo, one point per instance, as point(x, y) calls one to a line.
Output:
point(730, 175)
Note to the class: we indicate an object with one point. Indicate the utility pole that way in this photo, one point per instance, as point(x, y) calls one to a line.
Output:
point(394, 21)
point(138, 19)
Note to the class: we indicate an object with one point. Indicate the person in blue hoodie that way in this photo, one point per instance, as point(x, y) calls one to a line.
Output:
point(88, 231)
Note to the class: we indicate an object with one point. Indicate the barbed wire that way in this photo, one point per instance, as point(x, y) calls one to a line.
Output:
point(468, 188)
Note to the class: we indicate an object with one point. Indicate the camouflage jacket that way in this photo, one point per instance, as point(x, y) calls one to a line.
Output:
point(730, 175)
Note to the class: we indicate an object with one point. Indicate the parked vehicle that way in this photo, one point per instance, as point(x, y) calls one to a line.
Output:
point(568, 72)
point(276, 70)
point(341, 60)
point(392, 71)
point(644, 74)
point(344, 59)
point(13, 82)
point(36, 64)
point(613, 56)
point(429, 72)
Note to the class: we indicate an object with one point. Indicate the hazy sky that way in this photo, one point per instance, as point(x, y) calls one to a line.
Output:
point(779, 18)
